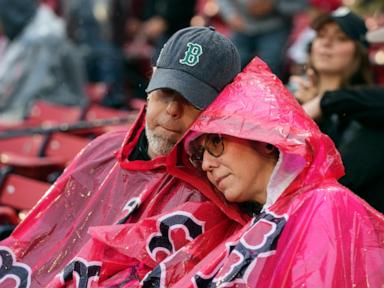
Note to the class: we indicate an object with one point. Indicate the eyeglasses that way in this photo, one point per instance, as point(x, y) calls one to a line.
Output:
point(213, 143)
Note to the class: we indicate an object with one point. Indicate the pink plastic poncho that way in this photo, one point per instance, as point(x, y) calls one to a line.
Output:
point(72, 239)
point(312, 231)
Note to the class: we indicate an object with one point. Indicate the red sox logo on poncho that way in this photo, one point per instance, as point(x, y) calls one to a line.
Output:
point(83, 272)
point(11, 269)
point(163, 241)
point(131, 206)
point(258, 242)
point(204, 279)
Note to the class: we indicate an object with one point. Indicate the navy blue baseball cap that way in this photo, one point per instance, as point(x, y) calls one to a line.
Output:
point(349, 22)
point(198, 63)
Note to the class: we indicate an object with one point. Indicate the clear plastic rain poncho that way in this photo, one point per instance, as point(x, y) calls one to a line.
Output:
point(73, 238)
point(312, 231)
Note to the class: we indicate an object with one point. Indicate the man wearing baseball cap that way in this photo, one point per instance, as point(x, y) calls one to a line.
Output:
point(125, 183)
point(193, 66)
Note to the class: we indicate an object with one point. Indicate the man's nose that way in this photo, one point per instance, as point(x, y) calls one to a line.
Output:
point(175, 108)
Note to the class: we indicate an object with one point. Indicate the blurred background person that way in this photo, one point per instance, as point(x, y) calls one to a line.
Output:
point(375, 22)
point(149, 25)
point(302, 34)
point(372, 11)
point(165, 18)
point(120, 39)
point(339, 95)
point(38, 63)
point(376, 36)
point(89, 25)
point(261, 27)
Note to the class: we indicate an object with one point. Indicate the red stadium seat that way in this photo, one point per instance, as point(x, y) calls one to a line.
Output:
point(20, 192)
point(8, 215)
point(24, 146)
point(98, 113)
point(95, 112)
point(26, 150)
point(65, 145)
point(44, 113)
point(15, 160)
point(36, 156)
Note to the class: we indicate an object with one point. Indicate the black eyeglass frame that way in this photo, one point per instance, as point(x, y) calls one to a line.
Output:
point(196, 157)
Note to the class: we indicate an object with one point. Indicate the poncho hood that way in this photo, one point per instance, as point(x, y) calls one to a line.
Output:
point(256, 106)
point(312, 231)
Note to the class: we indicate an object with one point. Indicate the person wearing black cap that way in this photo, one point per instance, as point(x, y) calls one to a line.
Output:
point(338, 55)
point(345, 104)
point(193, 66)
point(128, 183)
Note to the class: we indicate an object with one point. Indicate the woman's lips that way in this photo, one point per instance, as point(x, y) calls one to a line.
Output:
point(219, 180)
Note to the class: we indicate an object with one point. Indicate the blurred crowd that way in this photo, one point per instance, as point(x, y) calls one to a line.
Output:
point(116, 41)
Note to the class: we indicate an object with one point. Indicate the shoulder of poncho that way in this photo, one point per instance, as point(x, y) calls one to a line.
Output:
point(108, 142)
point(331, 196)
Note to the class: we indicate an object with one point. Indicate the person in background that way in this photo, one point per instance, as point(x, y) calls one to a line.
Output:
point(118, 209)
point(338, 55)
point(164, 18)
point(261, 28)
point(338, 94)
point(55, 5)
point(126, 32)
point(258, 147)
point(146, 25)
point(302, 34)
point(89, 25)
point(39, 61)
point(376, 36)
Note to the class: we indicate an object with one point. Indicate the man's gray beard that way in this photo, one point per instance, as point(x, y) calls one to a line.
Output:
point(158, 144)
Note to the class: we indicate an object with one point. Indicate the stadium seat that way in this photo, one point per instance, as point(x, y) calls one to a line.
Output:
point(20, 192)
point(65, 145)
point(44, 113)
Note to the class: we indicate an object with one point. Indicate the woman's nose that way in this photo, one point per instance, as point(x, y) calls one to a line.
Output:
point(326, 41)
point(209, 162)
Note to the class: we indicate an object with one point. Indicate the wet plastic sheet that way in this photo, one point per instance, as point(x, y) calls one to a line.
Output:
point(61, 243)
point(313, 232)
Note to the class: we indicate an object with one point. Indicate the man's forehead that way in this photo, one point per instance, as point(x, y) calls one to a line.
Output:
point(171, 93)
